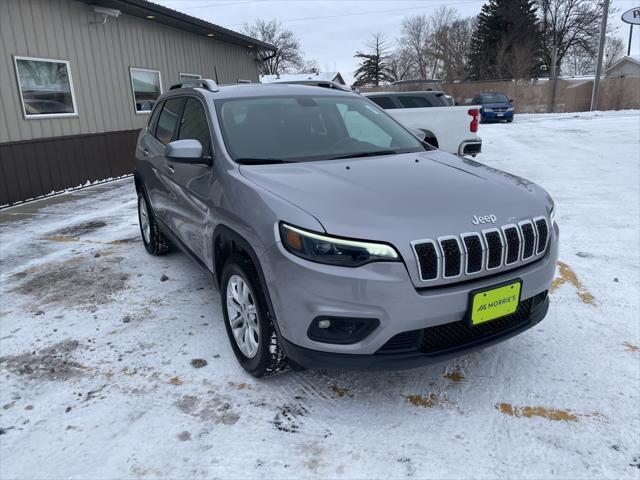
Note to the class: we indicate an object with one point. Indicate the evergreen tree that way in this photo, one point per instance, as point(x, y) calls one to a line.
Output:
point(374, 67)
point(506, 42)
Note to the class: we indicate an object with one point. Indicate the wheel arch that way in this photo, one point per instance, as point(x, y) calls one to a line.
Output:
point(226, 243)
point(430, 137)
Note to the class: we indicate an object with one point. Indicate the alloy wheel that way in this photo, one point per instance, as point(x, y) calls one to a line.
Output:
point(243, 316)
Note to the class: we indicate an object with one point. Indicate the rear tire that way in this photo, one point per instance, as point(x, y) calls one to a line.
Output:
point(248, 321)
point(154, 240)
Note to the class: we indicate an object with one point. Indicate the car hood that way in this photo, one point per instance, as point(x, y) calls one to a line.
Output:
point(400, 198)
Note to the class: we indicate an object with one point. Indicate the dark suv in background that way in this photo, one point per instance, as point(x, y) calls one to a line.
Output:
point(496, 107)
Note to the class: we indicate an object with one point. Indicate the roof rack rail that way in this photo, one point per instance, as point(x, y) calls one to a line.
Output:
point(205, 83)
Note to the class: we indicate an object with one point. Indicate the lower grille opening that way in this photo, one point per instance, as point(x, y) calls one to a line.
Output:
point(442, 339)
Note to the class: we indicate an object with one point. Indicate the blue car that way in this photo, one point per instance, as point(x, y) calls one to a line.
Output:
point(496, 107)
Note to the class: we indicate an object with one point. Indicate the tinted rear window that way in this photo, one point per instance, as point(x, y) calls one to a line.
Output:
point(384, 102)
point(414, 101)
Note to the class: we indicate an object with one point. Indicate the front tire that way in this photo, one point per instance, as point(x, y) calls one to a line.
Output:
point(248, 320)
point(154, 240)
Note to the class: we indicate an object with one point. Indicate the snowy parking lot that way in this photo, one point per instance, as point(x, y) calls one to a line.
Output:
point(114, 363)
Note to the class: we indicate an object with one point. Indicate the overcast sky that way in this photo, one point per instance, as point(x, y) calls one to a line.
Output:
point(331, 31)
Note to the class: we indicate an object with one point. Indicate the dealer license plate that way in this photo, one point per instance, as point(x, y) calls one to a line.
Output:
point(495, 302)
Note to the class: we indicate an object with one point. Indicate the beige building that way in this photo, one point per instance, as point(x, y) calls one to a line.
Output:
point(78, 79)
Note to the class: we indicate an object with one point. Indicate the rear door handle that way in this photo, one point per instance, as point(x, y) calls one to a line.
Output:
point(170, 169)
point(145, 152)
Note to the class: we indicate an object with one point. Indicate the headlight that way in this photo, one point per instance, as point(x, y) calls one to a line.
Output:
point(552, 215)
point(332, 250)
point(510, 109)
point(488, 109)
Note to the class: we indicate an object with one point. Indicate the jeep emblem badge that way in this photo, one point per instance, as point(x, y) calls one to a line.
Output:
point(484, 219)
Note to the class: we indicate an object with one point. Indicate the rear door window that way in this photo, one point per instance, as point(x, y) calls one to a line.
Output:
point(414, 101)
point(194, 125)
point(384, 102)
point(168, 119)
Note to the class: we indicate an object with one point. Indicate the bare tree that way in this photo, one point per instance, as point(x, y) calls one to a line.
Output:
point(450, 46)
point(415, 37)
point(578, 61)
point(439, 21)
point(401, 64)
point(310, 66)
point(567, 24)
point(613, 51)
point(287, 58)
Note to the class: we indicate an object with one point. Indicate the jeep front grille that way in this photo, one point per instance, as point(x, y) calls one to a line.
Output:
point(481, 252)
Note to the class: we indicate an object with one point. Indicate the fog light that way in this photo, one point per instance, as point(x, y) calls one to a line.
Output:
point(341, 330)
point(324, 323)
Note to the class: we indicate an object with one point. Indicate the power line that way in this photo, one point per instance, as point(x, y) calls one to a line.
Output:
point(375, 12)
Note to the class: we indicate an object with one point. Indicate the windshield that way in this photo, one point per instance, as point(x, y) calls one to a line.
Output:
point(494, 98)
point(306, 128)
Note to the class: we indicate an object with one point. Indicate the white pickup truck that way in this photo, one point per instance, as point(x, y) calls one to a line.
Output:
point(449, 128)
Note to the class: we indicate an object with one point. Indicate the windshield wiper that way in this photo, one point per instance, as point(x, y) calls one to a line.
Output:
point(365, 154)
point(259, 161)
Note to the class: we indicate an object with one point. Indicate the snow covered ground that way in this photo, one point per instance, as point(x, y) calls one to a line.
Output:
point(97, 341)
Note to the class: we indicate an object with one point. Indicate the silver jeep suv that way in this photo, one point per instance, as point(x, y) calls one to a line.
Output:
point(336, 237)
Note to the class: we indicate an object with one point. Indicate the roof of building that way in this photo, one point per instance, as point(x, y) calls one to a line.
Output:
point(298, 77)
point(627, 58)
point(167, 16)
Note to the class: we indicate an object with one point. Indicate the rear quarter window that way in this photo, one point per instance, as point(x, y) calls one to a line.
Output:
point(414, 101)
point(168, 119)
point(383, 102)
point(153, 120)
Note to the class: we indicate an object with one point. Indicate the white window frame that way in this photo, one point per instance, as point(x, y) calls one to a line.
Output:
point(38, 116)
point(193, 76)
point(133, 90)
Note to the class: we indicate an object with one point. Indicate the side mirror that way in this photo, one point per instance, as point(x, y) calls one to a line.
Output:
point(184, 151)
point(419, 134)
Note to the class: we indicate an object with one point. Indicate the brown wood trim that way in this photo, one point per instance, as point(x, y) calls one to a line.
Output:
point(65, 137)
point(36, 168)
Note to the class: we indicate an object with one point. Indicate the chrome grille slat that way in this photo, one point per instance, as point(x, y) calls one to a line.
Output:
point(475, 253)
point(528, 239)
point(542, 230)
point(512, 243)
point(451, 256)
point(495, 248)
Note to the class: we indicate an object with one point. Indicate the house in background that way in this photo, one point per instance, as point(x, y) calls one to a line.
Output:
point(629, 65)
point(79, 77)
point(335, 77)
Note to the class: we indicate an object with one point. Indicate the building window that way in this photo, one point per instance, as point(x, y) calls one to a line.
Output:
point(190, 76)
point(46, 88)
point(147, 87)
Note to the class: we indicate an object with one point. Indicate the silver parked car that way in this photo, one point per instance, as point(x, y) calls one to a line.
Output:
point(337, 238)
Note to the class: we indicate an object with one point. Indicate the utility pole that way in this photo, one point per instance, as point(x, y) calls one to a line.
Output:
point(603, 39)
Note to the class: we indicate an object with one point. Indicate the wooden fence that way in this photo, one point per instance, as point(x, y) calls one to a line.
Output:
point(532, 96)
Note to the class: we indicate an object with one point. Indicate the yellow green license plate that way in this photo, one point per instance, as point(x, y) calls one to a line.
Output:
point(495, 302)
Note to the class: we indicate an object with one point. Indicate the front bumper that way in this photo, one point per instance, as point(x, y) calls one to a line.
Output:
point(300, 291)
point(400, 361)
point(496, 117)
